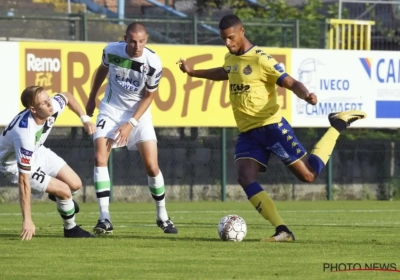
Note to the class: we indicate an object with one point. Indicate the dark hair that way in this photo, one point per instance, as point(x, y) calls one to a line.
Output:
point(29, 94)
point(135, 27)
point(229, 21)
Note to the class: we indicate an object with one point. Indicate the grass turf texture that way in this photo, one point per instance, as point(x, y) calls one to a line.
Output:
point(326, 232)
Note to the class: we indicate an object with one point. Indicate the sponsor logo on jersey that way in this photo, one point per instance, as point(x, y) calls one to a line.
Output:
point(228, 69)
point(43, 68)
point(247, 70)
point(25, 160)
point(26, 152)
point(278, 67)
point(24, 121)
point(60, 101)
point(159, 74)
point(239, 88)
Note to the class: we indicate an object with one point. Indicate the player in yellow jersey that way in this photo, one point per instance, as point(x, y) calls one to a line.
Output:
point(253, 76)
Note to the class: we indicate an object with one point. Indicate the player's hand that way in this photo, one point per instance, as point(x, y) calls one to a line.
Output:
point(28, 230)
point(122, 134)
point(311, 98)
point(184, 66)
point(90, 106)
point(89, 127)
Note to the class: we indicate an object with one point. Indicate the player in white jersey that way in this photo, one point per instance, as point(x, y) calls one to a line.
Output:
point(124, 118)
point(26, 161)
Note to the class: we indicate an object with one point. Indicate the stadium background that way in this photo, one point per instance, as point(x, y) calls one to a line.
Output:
point(197, 161)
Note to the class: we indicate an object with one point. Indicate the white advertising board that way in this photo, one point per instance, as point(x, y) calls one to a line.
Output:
point(348, 80)
point(9, 81)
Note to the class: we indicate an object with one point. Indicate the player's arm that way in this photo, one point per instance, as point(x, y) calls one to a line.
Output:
point(100, 76)
point(297, 87)
point(28, 228)
point(215, 74)
point(67, 99)
point(274, 73)
point(144, 105)
point(24, 152)
point(151, 87)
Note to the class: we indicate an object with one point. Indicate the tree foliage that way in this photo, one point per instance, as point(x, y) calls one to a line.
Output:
point(277, 20)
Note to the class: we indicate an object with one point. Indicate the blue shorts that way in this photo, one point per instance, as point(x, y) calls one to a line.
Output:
point(278, 138)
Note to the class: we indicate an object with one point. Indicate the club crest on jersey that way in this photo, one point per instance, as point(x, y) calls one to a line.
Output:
point(247, 70)
point(144, 69)
point(50, 121)
point(235, 68)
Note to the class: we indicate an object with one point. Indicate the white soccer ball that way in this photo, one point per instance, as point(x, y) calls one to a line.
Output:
point(232, 228)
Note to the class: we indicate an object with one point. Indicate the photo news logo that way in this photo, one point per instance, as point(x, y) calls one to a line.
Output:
point(347, 267)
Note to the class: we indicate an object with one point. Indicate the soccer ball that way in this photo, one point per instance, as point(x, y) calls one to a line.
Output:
point(232, 228)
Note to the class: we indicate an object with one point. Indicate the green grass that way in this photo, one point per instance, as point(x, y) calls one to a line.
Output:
point(326, 232)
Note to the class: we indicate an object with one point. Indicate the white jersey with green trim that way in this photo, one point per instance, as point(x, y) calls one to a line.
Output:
point(129, 77)
point(22, 137)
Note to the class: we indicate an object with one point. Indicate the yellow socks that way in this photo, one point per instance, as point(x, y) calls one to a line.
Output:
point(263, 203)
point(323, 150)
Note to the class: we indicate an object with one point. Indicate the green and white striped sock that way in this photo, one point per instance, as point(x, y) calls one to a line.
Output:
point(102, 186)
point(67, 211)
point(157, 190)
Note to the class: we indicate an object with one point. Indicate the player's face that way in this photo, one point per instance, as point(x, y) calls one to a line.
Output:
point(233, 38)
point(42, 107)
point(135, 43)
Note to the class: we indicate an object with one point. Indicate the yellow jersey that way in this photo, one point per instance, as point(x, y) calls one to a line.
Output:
point(253, 77)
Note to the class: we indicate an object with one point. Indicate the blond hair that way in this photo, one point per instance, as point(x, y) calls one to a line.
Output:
point(29, 95)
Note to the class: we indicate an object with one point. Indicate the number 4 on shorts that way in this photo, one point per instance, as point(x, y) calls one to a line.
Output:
point(101, 123)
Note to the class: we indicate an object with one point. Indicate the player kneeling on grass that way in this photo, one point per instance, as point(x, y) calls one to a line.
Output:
point(37, 169)
point(253, 76)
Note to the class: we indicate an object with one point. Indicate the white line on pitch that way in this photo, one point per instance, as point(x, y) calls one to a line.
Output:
point(223, 211)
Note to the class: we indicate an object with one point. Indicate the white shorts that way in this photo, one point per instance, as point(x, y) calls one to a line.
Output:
point(110, 118)
point(46, 164)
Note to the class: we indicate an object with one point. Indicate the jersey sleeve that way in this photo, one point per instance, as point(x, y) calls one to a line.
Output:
point(154, 79)
point(226, 68)
point(23, 152)
point(104, 58)
point(271, 70)
point(59, 102)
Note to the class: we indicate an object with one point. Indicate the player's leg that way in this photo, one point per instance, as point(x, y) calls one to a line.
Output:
point(144, 139)
point(149, 153)
point(102, 184)
point(65, 206)
point(72, 180)
point(103, 144)
point(307, 169)
point(52, 175)
point(251, 158)
point(68, 176)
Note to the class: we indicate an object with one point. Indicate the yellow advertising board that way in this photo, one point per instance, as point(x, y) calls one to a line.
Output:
point(182, 101)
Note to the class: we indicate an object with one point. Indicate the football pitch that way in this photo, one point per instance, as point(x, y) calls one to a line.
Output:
point(327, 233)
